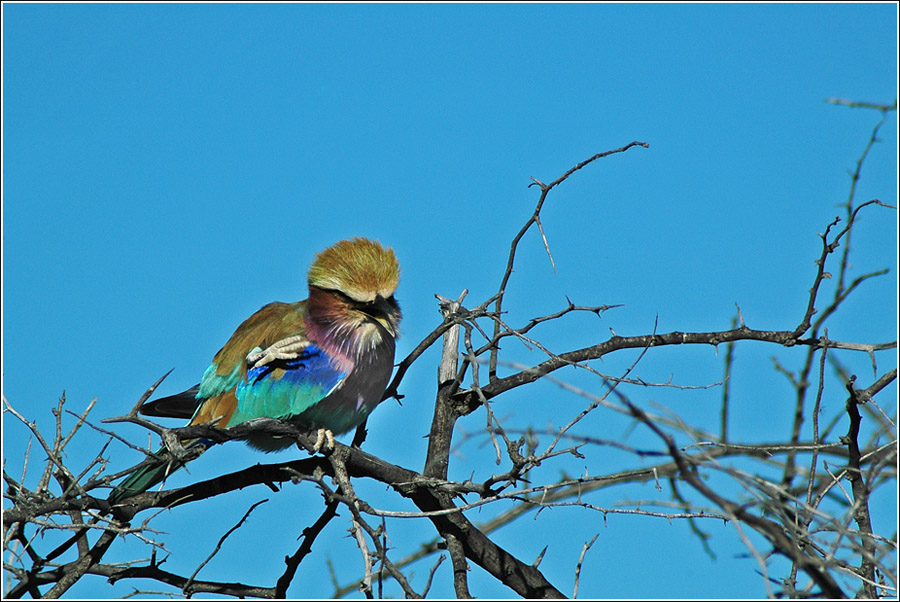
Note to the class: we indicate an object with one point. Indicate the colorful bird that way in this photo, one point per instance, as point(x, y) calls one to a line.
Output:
point(322, 363)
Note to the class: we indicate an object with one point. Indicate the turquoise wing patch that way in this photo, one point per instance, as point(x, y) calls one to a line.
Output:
point(213, 384)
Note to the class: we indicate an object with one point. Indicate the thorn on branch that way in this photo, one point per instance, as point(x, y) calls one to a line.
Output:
point(537, 561)
point(536, 182)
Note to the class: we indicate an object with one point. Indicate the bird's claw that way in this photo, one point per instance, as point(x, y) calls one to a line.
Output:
point(324, 441)
point(285, 349)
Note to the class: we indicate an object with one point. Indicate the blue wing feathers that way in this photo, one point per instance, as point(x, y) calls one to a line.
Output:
point(286, 389)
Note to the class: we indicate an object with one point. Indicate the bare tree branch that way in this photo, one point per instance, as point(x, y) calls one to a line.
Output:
point(58, 529)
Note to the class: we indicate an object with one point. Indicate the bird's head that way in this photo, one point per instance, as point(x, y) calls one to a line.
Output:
point(360, 276)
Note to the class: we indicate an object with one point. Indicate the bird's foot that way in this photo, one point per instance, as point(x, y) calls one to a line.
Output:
point(285, 349)
point(324, 441)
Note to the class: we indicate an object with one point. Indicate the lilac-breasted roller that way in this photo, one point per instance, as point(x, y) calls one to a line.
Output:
point(323, 362)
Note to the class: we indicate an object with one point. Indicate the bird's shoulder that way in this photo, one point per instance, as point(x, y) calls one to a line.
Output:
point(270, 324)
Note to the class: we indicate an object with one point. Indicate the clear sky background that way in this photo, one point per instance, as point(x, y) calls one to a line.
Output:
point(168, 169)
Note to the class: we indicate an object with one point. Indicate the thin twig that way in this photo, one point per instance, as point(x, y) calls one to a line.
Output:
point(190, 581)
point(584, 549)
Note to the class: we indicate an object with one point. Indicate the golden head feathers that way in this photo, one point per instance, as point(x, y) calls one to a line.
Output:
point(360, 268)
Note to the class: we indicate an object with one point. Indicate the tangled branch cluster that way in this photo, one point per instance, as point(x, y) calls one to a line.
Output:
point(815, 513)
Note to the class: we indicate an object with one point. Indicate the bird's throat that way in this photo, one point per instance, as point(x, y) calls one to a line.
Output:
point(346, 334)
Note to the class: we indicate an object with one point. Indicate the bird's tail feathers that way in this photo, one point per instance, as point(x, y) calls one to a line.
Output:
point(155, 472)
point(181, 405)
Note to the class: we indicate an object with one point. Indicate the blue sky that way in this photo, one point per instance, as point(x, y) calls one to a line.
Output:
point(168, 169)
